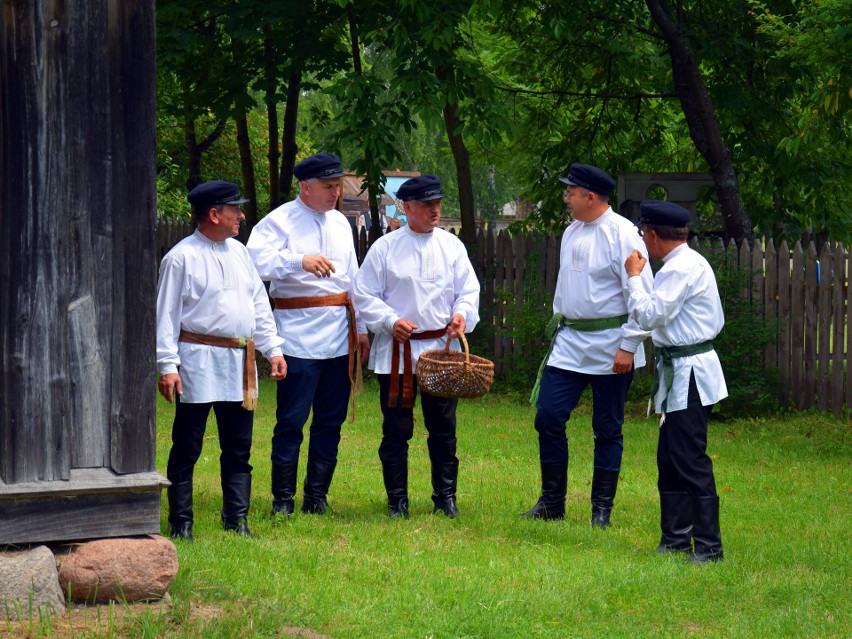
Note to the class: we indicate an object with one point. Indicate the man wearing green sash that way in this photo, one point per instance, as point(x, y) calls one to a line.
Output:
point(593, 343)
point(683, 313)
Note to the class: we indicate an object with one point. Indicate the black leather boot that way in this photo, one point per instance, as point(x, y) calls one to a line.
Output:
point(675, 522)
point(236, 497)
point(705, 530)
point(284, 488)
point(180, 510)
point(396, 485)
point(604, 485)
point(554, 485)
point(444, 482)
point(317, 483)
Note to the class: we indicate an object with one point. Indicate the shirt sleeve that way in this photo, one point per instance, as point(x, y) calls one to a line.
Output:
point(466, 286)
point(368, 286)
point(633, 334)
point(269, 251)
point(169, 310)
point(654, 307)
point(266, 337)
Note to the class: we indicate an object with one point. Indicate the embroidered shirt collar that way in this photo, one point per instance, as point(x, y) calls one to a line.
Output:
point(423, 236)
point(675, 251)
point(207, 240)
point(307, 208)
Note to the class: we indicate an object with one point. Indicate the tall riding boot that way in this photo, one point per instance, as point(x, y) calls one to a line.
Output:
point(396, 485)
point(236, 497)
point(284, 488)
point(180, 510)
point(554, 485)
point(444, 482)
point(705, 530)
point(675, 522)
point(604, 485)
point(317, 482)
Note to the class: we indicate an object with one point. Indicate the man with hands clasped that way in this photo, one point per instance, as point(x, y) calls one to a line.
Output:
point(683, 311)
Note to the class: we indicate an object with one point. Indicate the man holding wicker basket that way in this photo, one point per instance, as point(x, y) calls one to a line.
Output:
point(415, 291)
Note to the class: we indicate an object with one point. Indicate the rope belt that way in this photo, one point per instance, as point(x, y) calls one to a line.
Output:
point(339, 299)
point(407, 375)
point(250, 368)
point(667, 355)
point(556, 323)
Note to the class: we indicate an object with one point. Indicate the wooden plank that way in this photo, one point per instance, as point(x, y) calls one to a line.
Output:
point(785, 322)
point(36, 520)
point(770, 300)
point(499, 283)
point(839, 324)
point(810, 328)
point(823, 328)
point(848, 361)
point(85, 481)
point(797, 326)
point(489, 268)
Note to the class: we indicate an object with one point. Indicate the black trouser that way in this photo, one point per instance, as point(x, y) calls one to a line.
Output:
point(682, 461)
point(235, 430)
point(439, 417)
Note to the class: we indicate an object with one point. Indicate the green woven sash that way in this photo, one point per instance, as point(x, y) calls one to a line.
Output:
point(557, 322)
point(667, 355)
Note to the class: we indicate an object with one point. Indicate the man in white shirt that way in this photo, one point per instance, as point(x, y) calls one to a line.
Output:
point(683, 313)
point(593, 344)
point(415, 289)
point(212, 309)
point(304, 248)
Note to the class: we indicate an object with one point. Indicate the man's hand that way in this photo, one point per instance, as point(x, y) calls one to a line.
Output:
point(279, 367)
point(402, 330)
point(623, 361)
point(364, 347)
point(457, 326)
point(168, 384)
point(634, 263)
point(318, 265)
point(393, 224)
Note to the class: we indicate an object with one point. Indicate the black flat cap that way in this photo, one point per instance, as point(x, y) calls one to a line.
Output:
point(662, 213)
point(590, 178)
point(323, 166)
point(421, 189)
point(215, 192)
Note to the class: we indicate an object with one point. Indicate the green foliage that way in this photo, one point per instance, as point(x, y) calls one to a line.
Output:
point(753, 390)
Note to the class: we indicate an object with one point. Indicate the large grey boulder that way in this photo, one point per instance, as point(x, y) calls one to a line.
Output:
point(125, 569)
point(29, 584)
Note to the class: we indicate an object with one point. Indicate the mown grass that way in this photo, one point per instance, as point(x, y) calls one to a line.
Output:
point(785, 486)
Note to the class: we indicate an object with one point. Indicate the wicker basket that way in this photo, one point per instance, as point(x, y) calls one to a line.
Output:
point(449, 373)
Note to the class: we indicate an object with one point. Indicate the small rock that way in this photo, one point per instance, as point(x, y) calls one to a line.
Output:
point(29, 584)
point(125, 569)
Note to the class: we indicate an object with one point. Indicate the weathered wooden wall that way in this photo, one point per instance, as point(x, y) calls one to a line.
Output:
point(804, 291)
point(77, 249)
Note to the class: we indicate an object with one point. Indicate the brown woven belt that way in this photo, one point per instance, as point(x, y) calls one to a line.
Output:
point(339, 299)
point(408, 374)
point(250, 368)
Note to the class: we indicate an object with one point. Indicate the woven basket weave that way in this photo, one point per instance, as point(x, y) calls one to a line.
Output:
point(449, 373)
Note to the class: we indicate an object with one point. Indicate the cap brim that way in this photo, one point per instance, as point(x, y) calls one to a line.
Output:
point(241, 200)
point(566, 180)
point(437, 196)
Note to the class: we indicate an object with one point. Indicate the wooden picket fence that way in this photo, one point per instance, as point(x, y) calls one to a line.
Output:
point(803, 290)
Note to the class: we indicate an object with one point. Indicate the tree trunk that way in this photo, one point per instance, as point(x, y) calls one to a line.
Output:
point(249, 189)
point(288, 140)
point(273, 153)
point(461, 156)
point(701, 119)
point(373, 195)
point(195, 149)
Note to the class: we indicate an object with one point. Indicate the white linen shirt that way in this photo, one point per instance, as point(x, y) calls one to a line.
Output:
point(683, 309)
point(425, 278)
point(277, 245)
point(211, 288)
point(592, 284)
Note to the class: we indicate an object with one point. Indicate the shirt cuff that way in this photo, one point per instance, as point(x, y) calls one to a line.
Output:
point(274, 352)
point(630, 345)
point(166, 369)
point(389, 322)
point(294, 263)
point(635, 283)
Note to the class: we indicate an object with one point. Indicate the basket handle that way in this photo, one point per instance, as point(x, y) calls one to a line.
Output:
point(464, 344)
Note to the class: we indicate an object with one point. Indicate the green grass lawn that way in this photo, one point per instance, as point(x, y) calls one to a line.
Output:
point(786, 516)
